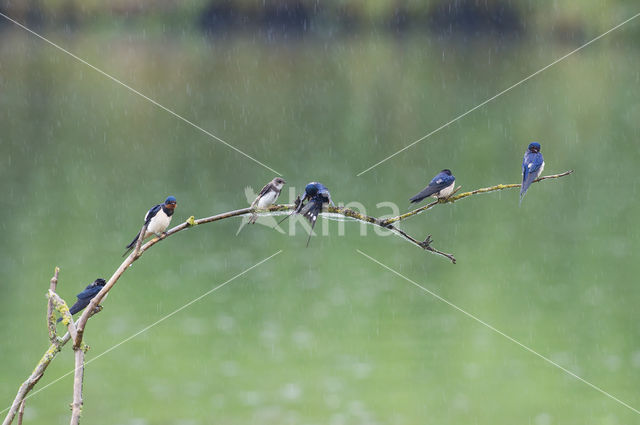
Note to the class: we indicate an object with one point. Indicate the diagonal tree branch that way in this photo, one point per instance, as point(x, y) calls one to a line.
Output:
point(143, 231)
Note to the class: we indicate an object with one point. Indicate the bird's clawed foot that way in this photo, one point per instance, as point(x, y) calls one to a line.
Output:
point(96, 310)
point(426, 244)
point(448, 197)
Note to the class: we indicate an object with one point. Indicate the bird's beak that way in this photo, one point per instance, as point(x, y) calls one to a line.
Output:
point(172, 206)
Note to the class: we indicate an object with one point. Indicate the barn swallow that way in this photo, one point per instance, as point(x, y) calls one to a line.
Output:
point(156, 221)
point(532, 166)
point(85, 297)
point(318, 197)
point(441, 186)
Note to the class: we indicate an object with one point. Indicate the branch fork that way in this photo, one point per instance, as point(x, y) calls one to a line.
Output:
point(426, 244)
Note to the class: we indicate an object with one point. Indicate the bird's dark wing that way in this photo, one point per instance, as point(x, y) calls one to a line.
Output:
point(85, 297)
point(264, 190)
point(425, 193)
point(147, 219)
point(152, 213)
point(130, 247)
point(437, 184)
point(89, 292)
point(447, 181)
point(310, 212)
point(530, 166)
point(79, 305)
point(536, 163)
point(324, 193)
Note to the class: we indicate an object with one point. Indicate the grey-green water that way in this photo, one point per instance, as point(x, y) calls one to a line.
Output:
point(323, 335)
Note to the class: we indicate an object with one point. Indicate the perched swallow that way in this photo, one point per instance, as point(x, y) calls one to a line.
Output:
point(318, 197)
point(441, 186)
point(532, 166)
point(267, 196)
point(156, 220)
point(85, 297)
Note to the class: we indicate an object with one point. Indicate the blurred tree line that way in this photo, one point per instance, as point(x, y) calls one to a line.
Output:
point(575, 21)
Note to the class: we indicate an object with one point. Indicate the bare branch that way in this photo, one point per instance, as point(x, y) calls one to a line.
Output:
point(76, 405)
point(426, 244)
point(21, 412)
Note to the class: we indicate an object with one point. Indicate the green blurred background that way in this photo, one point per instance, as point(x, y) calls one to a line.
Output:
point(321, 91)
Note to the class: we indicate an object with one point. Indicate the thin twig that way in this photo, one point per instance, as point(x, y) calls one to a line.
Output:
point(426, 244)
point(21, 412)
point(453, 199)
point(51, 321)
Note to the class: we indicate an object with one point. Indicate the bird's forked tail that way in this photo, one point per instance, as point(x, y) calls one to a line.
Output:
point(131, 245)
